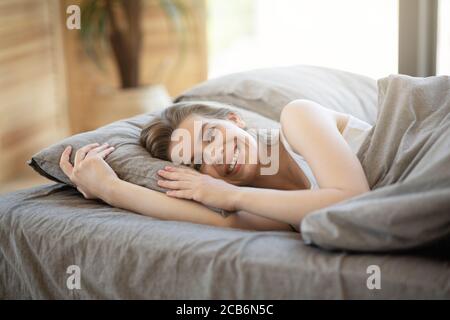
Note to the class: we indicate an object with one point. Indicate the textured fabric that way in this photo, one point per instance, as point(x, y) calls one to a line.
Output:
point(355, 132)
point(406, 158)
point(267, 91)
point(122, 255)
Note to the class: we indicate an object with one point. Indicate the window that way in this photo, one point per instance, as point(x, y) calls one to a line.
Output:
point(359, 36)
point(443, 38)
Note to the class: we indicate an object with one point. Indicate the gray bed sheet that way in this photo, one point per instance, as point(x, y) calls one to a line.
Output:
point(122, 255)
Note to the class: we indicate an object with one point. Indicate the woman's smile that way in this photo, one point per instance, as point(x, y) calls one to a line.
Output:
point(233, 167)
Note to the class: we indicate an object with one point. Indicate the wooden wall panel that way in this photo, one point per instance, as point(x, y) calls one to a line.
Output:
point(158, 60)
point(46, 80)
point(33, 113)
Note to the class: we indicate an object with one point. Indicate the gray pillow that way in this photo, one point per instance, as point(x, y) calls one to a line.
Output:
point(129, 160)
point(267, 91)
point(406, 158)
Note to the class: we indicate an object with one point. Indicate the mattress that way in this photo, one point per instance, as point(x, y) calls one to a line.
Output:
point(121, 255)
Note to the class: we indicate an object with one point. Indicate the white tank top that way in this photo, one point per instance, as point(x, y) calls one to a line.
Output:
point(354, 133)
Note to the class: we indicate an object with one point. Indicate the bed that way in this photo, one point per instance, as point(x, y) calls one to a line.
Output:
point(46, 230)
point(121, 255)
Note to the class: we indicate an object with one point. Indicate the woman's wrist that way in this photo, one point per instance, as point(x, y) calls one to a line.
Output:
point(236, 197)
point(107, 194)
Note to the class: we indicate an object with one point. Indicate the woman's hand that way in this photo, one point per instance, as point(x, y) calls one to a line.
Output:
point(90, 173)
point(190, 184)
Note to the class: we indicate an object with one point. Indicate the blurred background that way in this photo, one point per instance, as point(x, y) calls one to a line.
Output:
point(132, 56)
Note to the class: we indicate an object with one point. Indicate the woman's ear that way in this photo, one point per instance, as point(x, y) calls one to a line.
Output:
point(234, 117)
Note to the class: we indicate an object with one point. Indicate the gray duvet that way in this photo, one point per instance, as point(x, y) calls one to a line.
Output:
point(121, 255)
point(406, 158)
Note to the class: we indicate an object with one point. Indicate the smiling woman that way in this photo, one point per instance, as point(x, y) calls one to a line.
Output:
point(209, 147)
point(231, 158)
point(278, 200)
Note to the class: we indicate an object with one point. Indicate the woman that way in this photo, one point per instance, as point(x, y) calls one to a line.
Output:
point(317, 167)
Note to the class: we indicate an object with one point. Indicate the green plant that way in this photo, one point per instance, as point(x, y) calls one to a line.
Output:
point(115, 25)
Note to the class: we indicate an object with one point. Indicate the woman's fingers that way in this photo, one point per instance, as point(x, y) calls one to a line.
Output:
point(105, 152)
point(176, 185)
point(183, 170)
point(98, 149)
point(182, 194)
point(172, 175)
point(81, 153)
point(64, 161)
point(101, 151)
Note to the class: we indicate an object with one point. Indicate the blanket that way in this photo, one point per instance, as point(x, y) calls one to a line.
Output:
point(406, 158)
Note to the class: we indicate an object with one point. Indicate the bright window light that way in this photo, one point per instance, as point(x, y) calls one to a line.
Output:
point(443, 42)
point(359, 36)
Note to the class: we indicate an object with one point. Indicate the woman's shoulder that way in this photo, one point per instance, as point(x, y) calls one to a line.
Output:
point(304, 110)
point(302, 114)
point(300, 105)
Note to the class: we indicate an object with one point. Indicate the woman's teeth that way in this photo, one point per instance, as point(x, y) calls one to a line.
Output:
point(233, 161)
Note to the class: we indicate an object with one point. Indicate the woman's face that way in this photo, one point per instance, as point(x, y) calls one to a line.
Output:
point(217, 147)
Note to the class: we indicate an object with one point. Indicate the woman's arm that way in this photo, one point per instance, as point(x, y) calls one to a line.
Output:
point(155, 204)
point(95, 179)
point(286, 206)
point(313, 133)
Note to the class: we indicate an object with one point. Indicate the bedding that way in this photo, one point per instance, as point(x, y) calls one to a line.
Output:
point(266, 91)
point(122, 255)
point(406, 158)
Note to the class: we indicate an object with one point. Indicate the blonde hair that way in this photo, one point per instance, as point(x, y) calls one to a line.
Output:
point(156, 135)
